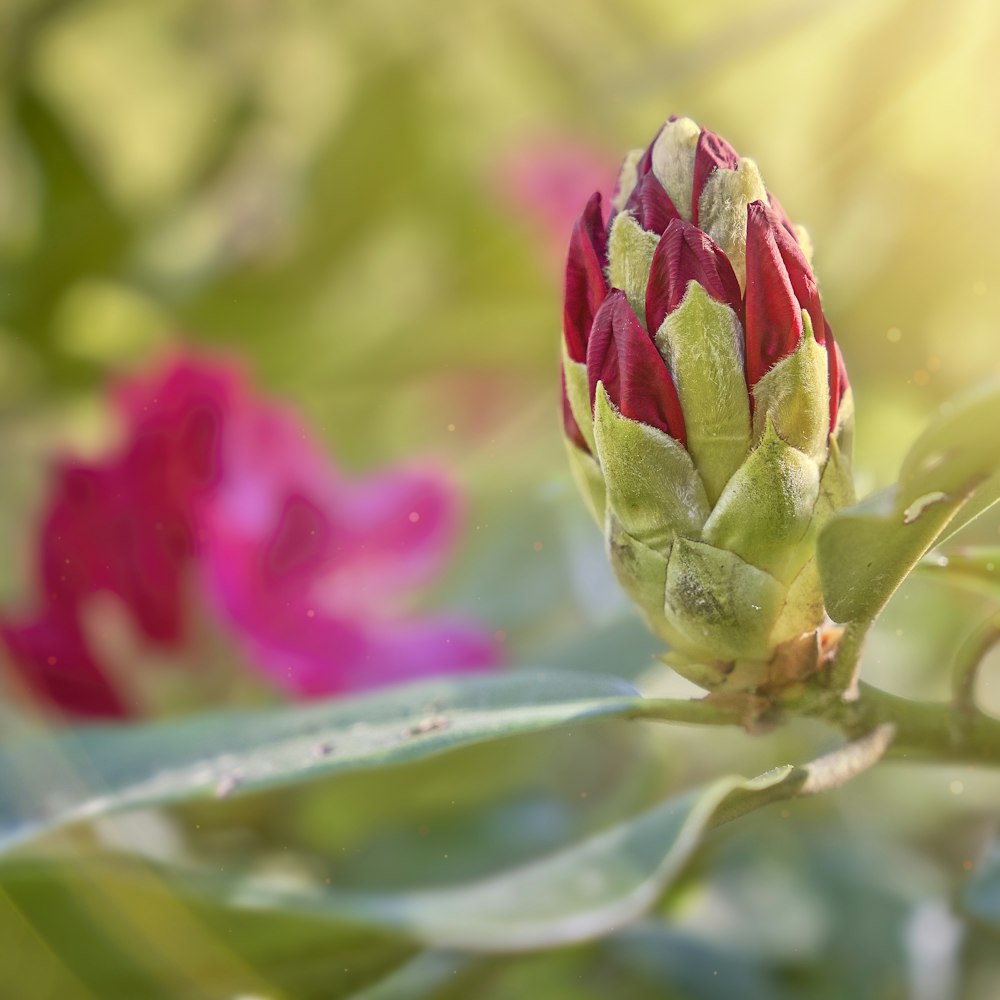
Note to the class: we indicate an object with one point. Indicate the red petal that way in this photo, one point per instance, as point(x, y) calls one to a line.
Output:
point(687, 254)
point(804, 285)
point(711, 153)
point(781, 214)
point(773, 318)
point(624, 358)
point(52, 657)
point(645, 165)
point(651, 205)
point(585, 287)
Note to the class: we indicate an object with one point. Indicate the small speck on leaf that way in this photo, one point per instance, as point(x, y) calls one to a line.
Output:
point(227, 785)
point(429, 724)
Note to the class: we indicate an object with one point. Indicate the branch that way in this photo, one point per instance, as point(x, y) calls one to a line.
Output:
point(693, 711)
point(968, 660)
point(926, 731)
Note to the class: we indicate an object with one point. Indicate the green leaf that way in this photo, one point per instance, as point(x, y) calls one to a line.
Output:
point(582, 891)
point(948, 478)
point(977, 567)
point(49, 781)
point(110, 926)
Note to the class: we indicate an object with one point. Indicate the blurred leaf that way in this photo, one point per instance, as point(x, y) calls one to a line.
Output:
point(110, 927)
point(949, 476)
point(650, 961)
point(47, 782)
point(582, 891)
point(980, 897)
point(81, 233)
point(812, 897)
point(977, 567)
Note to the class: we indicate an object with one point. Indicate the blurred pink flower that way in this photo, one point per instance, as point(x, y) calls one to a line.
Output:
point(218, 488)
point(546, 181)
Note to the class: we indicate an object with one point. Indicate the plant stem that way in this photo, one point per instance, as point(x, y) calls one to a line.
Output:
point(970, 656)
point(694, 711)
point(926, 731)
point(934, 732)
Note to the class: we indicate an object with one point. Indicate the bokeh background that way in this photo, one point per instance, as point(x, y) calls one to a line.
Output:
point(342, 194)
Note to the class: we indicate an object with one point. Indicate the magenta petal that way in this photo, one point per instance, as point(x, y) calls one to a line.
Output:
point(52, 657)
point(651, 205)
point(387, 653)
point(686, 254)
point(107, 530)
point(310, 641)
point(585, 286)
point(229, 492)
point(624, 358)
point(773, 317)
point(546, 181)
point(396, 531)
point(711, 153)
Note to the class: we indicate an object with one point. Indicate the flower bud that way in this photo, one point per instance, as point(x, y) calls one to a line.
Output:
point(707, 410)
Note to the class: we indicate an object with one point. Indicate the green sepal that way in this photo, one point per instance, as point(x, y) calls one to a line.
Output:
point(701, 343)
point(627, 177)
point(589, 480)
point(766, 511)
point(630, 256)
point(652, 484)
point(836, 484)
point(642, 573)
point(696, 668)
point(578, 394)
point(803, 609)
point(723, 606)
point(673, 162)
point(844, 431)
point(722, 210)
point(795, 396)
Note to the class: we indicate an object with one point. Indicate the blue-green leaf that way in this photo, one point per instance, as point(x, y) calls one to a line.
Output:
point(47, 781)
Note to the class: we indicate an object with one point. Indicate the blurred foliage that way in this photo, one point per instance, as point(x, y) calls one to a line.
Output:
point(315, 185)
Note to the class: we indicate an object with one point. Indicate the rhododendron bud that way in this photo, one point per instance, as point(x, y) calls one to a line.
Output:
point(707, 410)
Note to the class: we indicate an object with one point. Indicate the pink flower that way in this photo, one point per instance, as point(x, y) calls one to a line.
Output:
point(217, 488)
point(546, 181)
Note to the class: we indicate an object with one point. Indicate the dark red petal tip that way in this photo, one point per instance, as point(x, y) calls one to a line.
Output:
point(651, 205)
point(782, 215)
point(585, 286)
point(686, 254)
point(773, 315)
point(711, 153)
point(623, 357)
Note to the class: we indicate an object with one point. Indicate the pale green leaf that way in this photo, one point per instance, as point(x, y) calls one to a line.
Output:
point(48, 781)
point(948, 477)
